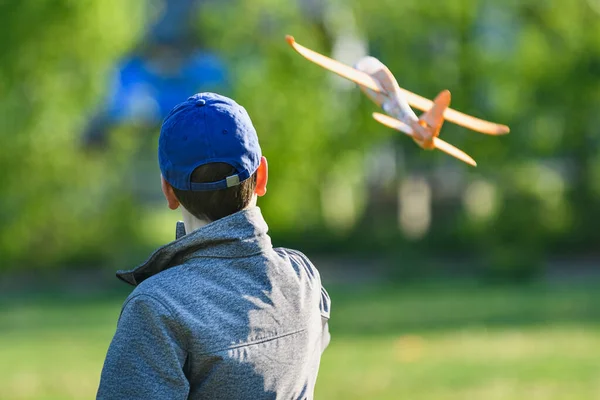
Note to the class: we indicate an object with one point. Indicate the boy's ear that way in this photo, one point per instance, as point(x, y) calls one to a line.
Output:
point(167, 190)
point(262, 176)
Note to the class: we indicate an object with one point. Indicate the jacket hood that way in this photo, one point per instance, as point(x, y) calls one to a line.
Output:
point(238, 235)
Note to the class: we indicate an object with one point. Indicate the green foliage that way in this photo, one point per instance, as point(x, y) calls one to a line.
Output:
point(55, 201)
point(529, 64)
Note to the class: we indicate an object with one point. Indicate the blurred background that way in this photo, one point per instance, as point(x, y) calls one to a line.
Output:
point(447, 282)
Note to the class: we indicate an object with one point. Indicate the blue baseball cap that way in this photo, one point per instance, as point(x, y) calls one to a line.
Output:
point(207, 128)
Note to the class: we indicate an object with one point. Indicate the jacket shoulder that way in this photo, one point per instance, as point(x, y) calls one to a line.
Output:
point(300, 260)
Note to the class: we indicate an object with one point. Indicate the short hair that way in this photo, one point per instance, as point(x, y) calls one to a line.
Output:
point(216, 204)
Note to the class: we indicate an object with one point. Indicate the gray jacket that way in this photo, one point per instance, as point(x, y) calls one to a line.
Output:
point(219, 314)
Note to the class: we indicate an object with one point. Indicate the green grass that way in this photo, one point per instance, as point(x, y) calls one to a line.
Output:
point(447, 342)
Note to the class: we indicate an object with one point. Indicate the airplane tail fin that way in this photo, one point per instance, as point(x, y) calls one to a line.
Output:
point(433, 119)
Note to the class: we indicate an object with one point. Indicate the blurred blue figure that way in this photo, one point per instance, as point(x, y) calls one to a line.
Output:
point(148, 85)
point(148, 88)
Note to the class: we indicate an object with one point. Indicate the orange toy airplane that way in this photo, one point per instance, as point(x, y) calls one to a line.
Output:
point(379, 84)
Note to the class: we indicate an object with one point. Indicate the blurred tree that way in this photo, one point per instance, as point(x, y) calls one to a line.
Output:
point(55, 201)
point(337, 175)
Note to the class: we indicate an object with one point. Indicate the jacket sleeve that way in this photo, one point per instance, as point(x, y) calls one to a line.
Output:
point(145, 359)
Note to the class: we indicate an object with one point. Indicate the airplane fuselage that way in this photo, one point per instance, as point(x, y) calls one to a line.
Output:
point(392, 101)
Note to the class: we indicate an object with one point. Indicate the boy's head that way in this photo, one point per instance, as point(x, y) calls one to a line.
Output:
point(209, 157)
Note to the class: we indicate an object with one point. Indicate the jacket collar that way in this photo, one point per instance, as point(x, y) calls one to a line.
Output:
point(238, 235)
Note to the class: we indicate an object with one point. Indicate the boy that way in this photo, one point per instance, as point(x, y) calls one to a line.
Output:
point(218, 313)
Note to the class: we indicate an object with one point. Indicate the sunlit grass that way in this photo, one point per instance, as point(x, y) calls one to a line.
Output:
point(448, 342)
point(541, 363)
point(54, 350)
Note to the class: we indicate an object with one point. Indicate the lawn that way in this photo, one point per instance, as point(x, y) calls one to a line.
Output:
point(454, 341)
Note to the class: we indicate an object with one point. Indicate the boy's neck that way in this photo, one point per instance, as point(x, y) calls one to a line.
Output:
point(192, 223)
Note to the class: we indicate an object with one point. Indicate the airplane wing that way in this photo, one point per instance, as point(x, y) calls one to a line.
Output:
point(457, 117)
point(335, 66)
point(413, 99)
point(437, 142)
point(393, 123)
